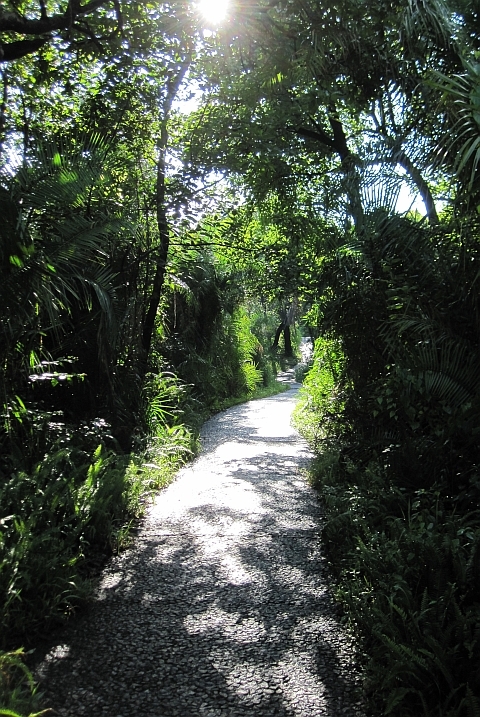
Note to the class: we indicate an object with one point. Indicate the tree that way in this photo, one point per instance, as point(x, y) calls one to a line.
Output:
point(348, 86)
point(123, 100)
point(174, 81)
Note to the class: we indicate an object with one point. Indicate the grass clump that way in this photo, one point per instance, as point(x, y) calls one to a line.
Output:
point(18, 692)
point(155, 467)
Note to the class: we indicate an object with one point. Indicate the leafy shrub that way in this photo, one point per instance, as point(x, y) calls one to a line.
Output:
point(407, 566)
point(232, 365)
point(322, 397)
point(53, 516)
point(395, 427)
point(78, 499)
point(250, 351)
point(164, 397)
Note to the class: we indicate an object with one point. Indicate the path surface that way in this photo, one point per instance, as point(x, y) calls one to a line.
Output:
point(221, 607)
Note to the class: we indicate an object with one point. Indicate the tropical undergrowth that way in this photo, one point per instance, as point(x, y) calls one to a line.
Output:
point(18, 690)
point(90, 427)
point(70, 493)
point(74, 502)
point(216, 339)
point(391, 407)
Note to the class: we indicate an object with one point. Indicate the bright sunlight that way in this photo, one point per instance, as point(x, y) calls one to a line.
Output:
point(214, 11)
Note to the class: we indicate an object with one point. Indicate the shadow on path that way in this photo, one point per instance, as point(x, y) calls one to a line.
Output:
point(221, 608)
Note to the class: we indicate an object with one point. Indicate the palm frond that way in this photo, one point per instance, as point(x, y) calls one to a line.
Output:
point(461, 100)
point(54, 256)
point(426, 20)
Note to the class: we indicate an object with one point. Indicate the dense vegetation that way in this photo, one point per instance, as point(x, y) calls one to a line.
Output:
point(150, 257)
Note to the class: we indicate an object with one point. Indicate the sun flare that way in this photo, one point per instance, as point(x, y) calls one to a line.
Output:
point(214, 11)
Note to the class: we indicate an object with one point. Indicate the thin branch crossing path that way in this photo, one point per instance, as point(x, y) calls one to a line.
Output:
point(221, 608)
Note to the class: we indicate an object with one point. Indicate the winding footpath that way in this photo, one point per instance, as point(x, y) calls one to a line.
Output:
point(221, 607)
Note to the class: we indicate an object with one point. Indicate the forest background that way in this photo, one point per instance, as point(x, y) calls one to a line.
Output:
point(151, 257)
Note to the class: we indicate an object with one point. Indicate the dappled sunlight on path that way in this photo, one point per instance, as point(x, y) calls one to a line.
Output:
point(220, 609)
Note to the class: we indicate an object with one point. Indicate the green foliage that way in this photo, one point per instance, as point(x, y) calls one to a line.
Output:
point(77, 500)
point(249, 351)
point(154, 468)
point(407, 571)
point(52, 250)
point(18, 692)
point(398, 464)
point(229, 368)
point(403, 304)
point(212, 339)
point(322, 397)
point(69, 504)
point(73, 503)
point(163, 397)
point(461, 146)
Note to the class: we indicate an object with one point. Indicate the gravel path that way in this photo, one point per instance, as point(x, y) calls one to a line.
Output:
point(221, 608)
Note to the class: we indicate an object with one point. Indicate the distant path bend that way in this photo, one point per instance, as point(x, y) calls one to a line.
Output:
point(220, 609)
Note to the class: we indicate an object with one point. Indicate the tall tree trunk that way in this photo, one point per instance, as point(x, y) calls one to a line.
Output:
point(288, 341)
point(288, 317)
point(278, 333)
point(161, 256)
point(3, 108)
point(163, 247)
point(398, 156)
point(349, 167)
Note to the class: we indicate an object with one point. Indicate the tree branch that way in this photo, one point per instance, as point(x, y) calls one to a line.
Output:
point(19, 48)
point(399, 157)
point(340, 140)
point(317, 134)
point(14, 21)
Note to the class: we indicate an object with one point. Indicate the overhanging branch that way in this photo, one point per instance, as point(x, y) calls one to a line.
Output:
point(40, 29)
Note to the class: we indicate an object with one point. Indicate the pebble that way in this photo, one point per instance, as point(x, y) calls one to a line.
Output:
point(221, 608)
